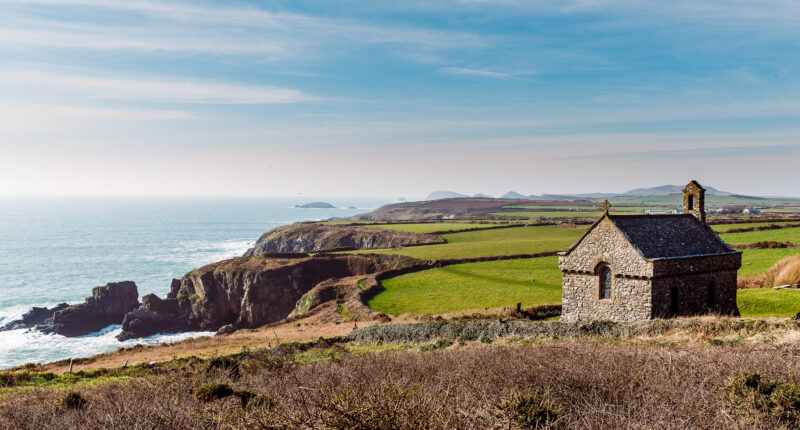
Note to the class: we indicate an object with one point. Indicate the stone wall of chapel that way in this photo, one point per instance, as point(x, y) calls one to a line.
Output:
point(606, 244)
point(630, 299)
point(694, 295)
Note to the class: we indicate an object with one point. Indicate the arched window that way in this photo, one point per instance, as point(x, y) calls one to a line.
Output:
point(691, 202)
point(606, 278)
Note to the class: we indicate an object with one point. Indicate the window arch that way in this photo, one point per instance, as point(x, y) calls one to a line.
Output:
point(606, 279)
point(691, 202)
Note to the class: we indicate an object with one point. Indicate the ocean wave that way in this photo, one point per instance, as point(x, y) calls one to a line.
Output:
point(199, 253)
point(18, 347)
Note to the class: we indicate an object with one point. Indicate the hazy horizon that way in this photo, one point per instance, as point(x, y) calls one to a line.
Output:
point(316, 100)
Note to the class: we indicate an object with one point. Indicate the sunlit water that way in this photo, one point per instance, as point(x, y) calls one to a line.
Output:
point(57, 250)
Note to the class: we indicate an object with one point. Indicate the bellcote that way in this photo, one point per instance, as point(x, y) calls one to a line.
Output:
point(694, 200)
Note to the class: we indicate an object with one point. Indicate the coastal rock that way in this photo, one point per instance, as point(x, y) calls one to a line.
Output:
point(107, 305)
point(308, 237)
point(226, 329)
point(316, 205)
point(155, 316)
point(37, 315)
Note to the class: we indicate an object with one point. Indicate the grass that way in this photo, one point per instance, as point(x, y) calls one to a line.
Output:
point(505, 241)
point(472, 286)
point(766, 302)
point(757, 261)
point(637, 209)
point(780, 235)
point(431, 227)
point(722, 228)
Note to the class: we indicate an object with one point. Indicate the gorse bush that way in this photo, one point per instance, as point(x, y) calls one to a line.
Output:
point(213, 391)
point(72, 400)
point(527, 411)
point(760, 399)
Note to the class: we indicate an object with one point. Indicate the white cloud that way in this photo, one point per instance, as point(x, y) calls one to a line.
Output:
point(142, 90)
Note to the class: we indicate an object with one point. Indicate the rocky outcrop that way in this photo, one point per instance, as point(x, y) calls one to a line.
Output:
point(314, 237)
point(155, 316)
point(248, 292)
point(37, 315)
point(107, 305)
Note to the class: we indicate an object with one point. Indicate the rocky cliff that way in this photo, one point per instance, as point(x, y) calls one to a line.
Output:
point(314, 237)
point(247, 291)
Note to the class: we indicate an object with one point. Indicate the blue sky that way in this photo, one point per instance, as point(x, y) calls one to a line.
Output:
point(371, 98)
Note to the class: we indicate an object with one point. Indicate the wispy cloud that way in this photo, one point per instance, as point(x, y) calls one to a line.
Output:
point(476, 72)
point(215, 29)
point(150, 90)
point(695, 154)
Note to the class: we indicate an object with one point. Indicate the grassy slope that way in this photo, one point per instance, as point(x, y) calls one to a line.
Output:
point(472, 286)
point(431, 227)
point(561, 214)
point(507, 241)
point(780, 235)
point(504, 283)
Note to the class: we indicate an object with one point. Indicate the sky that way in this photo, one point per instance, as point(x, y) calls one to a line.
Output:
point(388, 99)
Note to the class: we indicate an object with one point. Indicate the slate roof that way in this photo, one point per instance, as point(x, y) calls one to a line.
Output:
point(670, 236)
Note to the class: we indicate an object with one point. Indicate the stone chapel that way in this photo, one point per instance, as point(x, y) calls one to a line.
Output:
point(635, 267)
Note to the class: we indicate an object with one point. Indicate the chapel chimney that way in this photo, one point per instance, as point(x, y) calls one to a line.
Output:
point(694, 200)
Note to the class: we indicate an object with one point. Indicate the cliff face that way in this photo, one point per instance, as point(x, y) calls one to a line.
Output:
point(302, 237)
point(253, 291)
point(247, 291)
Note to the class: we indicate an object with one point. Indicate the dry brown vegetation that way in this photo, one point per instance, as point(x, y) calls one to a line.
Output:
point(582, 384)
point(784, 272)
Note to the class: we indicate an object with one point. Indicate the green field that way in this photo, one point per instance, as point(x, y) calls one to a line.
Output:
point(431, 227)
point(757, 261)
point(722, 228)
point(550, 214)
point(496, 284)
point(779, 235)
point(766, 302)
point(459, 287)
point(637, 209)
point(504, 241)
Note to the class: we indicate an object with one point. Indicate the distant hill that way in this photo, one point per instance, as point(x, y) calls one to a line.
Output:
point(664, 190)
point(439, 195)
point(513, 195)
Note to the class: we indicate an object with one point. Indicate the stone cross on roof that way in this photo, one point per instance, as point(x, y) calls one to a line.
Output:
point(606, 207)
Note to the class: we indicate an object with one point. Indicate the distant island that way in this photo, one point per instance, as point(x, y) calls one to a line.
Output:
point(316, 205)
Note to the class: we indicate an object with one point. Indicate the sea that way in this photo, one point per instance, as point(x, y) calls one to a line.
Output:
point(55, 250)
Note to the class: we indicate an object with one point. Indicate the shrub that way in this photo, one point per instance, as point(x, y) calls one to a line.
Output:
point(759, 398)
point(527, 411)
point(72, 400)
point(486, 339)
point(213, 391)
point(387, 407)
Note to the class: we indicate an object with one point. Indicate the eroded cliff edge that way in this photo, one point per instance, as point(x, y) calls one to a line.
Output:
point(314, 237)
